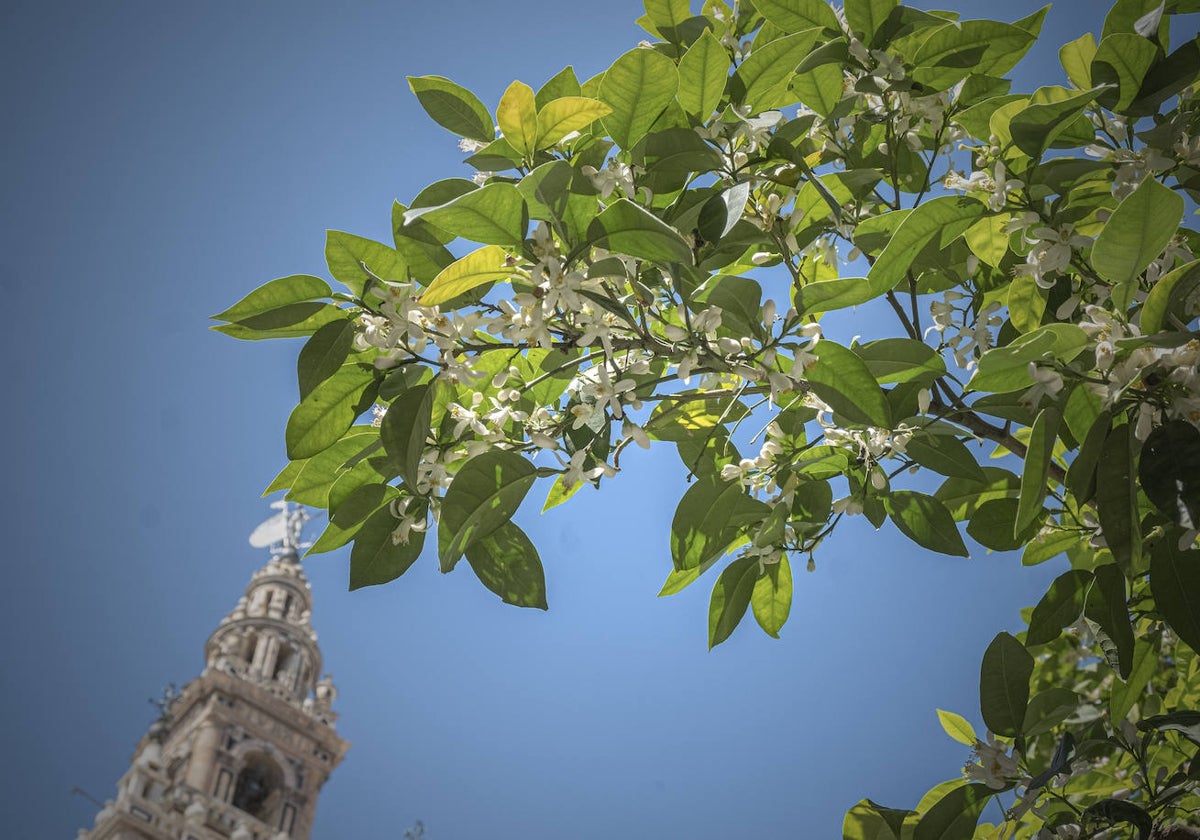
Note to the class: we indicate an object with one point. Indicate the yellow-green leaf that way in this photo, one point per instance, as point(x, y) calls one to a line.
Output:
point(475, 269)
point(703, 71)
point(772, 597)
point(957, 727)
point(568, 113)
point(517, 116)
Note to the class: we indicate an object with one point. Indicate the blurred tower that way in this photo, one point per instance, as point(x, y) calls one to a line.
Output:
point(242, 752)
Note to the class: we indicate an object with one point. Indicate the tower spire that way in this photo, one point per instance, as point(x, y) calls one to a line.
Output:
point(242, 752)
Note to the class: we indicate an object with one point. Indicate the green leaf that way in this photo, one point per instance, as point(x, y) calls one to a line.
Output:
point(348, 519)
point(944, 454)
point(761, 81)
point(969, 46)
point(276, 295)
point(559, 493)
point(843, 381)
point(962, 497)
point(452, 107)
point(868, 820)
point(326, 413)
point(295, 320)
point(993, 525)
point(1037, 468)
point(495, 214)
point(626, 228)
point(772, 597)
point(740, 299)
point(517, 116)
point(1137, 232)
point(507, 563)
point(866, 16)
point(1004, 685)
point(666, 14)
point(324, 353)
point(563, 83)
point(797, 15)
point(708, 519)
point(1107, 607)
point(1048, 709)
point(1045, 547)
point(376, 558)
point(1076, 58)
point(481, 266)
point(925, 521)
point(1062, 604)
point(286, 477)
point(1081, 475)
point(1185, 722)
point(1169, 471)
point(830, 295)
point(1126, 694)
point(419, 245)
point(1166, 300)
point(405, 428)
point(1120, 811)
point(1121, 59)
point(312, 483)
point(955, 815)
point(1175, 581)
point(820, 88)
point(346, 254)
point(703, 71)
point(722, 211)
point(1026, 303)
point(1116, 497)
point(1004, 369)
point(558, 118)
point(1035, 128)
point(957, 727)
point(895, 360)
point(945, 218)
point(485, 493)
point(1167, 78)
point(730, 596)
point(638, 87)
point(680, 579)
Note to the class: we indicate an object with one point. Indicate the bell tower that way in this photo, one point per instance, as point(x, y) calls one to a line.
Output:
point(243, 750)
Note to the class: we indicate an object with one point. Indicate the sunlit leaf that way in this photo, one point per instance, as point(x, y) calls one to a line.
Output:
point(482, 266)
point(841, 379)
point(638, 87)
point(703, 71)
point(957, 727)
point(506, 562)
point(517, 116)
point(560, 117)
point(1137, 232)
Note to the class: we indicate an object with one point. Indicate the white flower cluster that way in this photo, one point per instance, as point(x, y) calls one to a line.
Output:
point(995, 183)
point(992, 764)
point(966, 337)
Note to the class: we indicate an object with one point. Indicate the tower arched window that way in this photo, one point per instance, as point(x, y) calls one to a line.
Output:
point(259, 787)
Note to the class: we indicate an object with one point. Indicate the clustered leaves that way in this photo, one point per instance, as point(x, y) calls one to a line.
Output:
point(657, 247)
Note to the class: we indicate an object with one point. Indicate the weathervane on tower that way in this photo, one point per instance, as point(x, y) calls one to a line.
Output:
point(281, 533)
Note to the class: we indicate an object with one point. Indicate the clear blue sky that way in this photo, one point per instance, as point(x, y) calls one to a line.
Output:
point(162, 159)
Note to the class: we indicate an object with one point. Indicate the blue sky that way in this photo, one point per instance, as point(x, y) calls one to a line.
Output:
point(161, 160)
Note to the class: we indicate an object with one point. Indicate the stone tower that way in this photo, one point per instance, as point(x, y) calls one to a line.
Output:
point(243, 750)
